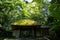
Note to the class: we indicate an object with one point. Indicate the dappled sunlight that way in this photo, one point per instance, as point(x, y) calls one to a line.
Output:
point(38, 18)
point(29, 0)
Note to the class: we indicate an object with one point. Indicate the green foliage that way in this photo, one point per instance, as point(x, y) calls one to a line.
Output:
point(8, 12)
point(56, 1)
point(14, 10)
point(55, 13)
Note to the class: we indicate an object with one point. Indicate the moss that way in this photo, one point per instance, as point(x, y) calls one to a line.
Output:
point(25, 22)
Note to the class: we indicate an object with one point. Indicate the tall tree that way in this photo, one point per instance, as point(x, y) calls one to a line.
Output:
point(55, 12)
point(13, 10)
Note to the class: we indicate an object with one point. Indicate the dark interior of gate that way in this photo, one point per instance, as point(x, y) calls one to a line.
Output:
point(29, 31)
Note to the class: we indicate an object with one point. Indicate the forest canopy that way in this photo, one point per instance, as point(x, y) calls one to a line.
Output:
point(44, 12)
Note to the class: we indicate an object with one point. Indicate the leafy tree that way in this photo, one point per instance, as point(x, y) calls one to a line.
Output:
point(8, 12)
point(14, 10)
point(54, 19)
point(55, 12)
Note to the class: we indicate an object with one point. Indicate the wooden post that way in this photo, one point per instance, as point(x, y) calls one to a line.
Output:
point(20, 33)
point(34, 32)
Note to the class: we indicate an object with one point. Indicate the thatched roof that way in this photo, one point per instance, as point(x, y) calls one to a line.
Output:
point(25, 22)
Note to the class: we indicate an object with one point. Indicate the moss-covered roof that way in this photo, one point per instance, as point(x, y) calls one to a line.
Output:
point(25, 22)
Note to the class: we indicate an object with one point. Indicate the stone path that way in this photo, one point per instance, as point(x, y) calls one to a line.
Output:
point(28, 39)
